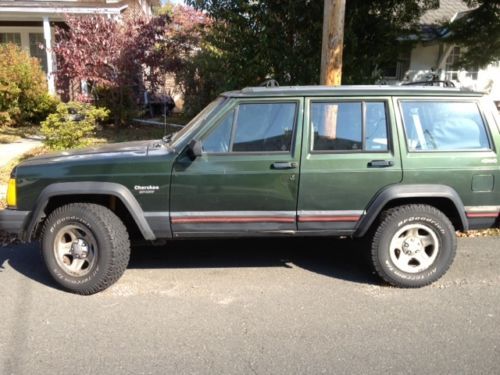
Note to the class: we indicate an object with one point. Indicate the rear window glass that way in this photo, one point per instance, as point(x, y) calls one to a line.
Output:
point(444, 126)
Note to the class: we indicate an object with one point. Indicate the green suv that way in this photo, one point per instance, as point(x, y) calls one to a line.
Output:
point(403, 167)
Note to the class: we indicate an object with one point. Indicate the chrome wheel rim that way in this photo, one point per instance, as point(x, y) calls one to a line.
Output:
point(414, 248)
point(75, 250)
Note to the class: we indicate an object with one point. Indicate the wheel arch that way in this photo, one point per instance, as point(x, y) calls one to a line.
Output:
point(66, 192)
point(442, 197)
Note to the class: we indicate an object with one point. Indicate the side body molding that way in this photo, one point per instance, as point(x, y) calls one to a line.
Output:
point(88, 187)
point(407, 192)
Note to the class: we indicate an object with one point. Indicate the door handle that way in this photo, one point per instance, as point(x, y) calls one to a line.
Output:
point(380, 163)
point(283, 165)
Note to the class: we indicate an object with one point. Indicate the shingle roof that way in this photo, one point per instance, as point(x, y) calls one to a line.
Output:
point(447, 9)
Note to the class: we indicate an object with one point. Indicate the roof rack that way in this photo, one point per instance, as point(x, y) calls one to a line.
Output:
point(270, 83)
point(430, 83)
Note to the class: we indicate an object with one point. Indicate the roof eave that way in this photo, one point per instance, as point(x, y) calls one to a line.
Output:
point(65, 10)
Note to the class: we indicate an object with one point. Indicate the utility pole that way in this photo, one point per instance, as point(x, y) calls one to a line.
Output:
point(333, 40)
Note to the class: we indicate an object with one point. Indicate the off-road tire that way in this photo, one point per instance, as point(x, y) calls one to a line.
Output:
point(111, 241)
point(424, 218)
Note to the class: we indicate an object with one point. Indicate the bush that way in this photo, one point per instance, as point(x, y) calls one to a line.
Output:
point(23, 88)
point(72, 125)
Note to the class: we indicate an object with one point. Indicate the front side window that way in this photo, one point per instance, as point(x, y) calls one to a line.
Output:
point(349, 126)
point(219, 139)
point(253, 127)
point(443, 126)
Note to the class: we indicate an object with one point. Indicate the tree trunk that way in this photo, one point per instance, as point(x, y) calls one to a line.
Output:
point(333, 40)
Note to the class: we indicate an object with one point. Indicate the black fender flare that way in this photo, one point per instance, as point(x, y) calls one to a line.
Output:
point(88, 187)
point(405, 192)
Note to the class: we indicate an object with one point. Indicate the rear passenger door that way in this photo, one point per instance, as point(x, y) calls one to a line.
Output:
point(349, 153)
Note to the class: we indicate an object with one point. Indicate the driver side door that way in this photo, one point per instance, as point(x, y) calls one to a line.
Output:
point(246, 180)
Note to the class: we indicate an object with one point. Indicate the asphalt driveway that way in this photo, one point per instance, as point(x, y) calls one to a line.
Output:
point(252, 307)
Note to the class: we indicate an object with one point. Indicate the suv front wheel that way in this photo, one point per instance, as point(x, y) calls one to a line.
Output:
point(85, 246)
point(413, 246)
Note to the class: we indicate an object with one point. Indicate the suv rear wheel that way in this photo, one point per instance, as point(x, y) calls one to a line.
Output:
point(413, 246)
point(85, 246)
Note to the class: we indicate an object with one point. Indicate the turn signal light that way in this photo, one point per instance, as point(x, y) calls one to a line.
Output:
point(11, 193)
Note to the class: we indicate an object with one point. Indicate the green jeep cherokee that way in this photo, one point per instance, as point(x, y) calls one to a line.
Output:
point(404, 167)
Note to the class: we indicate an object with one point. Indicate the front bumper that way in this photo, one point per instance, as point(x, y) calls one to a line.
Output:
point(13, 221)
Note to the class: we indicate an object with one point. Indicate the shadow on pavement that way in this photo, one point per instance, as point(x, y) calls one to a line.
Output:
point(27, 260)
point(341, 259)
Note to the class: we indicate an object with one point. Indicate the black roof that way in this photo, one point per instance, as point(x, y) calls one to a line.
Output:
point(382, 90)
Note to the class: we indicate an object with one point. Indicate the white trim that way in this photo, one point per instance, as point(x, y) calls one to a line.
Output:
point(472, 209)
point(233, 214)
point(69, 10)
point(332, 213)
point(47, 34)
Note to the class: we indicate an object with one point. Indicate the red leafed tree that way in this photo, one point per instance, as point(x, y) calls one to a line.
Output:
point(120, 58)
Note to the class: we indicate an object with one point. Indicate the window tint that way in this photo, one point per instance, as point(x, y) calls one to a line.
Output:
point(375, 127)
point(264, 127)
point(339, 126)
point(218, 139)
point(443, 126)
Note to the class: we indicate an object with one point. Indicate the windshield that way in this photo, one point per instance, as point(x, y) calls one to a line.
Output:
point(206, 113)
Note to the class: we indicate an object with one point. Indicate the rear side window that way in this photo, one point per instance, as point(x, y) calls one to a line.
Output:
point(444, 126)
point(254, 127)
point(349, 126)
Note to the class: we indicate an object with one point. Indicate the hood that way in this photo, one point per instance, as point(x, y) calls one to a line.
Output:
point(125, 149)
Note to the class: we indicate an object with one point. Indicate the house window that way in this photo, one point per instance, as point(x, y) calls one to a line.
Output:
point(36, 42)
point(10, 38)
point(451, 67)
point(398, 70)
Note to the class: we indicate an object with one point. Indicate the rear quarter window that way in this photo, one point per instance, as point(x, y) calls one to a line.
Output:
point(444, 126)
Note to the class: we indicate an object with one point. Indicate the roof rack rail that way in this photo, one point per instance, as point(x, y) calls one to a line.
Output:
point(270, 83)
point(430, 83)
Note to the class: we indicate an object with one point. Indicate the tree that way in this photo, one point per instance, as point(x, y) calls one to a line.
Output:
point(122, 58)
point(252, 40)
point(115, 57)
point(255, 40)
point(479, 32)
point(376, 32)
point(23, 88)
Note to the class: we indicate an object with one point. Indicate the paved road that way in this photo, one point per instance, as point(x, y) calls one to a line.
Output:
point(252, 307)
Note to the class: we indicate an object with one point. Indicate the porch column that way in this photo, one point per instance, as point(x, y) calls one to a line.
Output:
point(48, 50)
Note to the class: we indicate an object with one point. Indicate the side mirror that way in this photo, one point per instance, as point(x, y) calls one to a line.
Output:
point(194, 149)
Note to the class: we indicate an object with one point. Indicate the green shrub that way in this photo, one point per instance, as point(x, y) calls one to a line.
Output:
point(72, 125)
point(23, 88)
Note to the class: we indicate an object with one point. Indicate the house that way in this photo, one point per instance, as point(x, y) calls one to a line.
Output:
point(30, 24)
point(434, 57)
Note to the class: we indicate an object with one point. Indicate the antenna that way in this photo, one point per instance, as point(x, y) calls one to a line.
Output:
point(164, 116)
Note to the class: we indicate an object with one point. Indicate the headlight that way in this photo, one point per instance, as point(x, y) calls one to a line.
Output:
point(11, 193)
